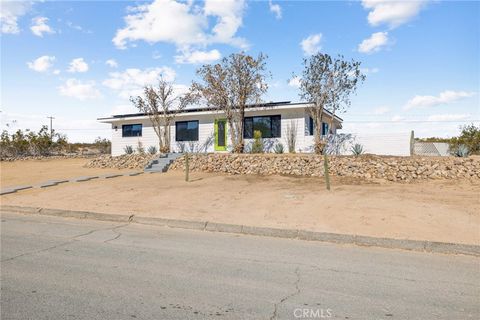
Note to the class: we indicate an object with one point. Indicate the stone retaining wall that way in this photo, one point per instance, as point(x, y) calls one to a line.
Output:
point(366, 166)
point(126, 161)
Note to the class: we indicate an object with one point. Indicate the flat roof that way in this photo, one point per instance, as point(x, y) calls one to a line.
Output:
point(204, 109)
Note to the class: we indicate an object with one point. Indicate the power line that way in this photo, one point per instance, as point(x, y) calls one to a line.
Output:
point(51, 127)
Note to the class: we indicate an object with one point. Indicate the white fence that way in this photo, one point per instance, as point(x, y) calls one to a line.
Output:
point(394, 144)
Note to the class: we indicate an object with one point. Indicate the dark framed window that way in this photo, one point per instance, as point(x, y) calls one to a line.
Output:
point(311, 127)
point(131, 130)
point(269, 126)
point(186, 130)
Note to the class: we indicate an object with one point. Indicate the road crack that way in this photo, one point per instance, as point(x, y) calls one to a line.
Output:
point(71, 240)
point(291, 295)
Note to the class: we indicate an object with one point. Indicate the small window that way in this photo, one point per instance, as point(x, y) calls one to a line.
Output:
point(269, 126)
point(186, 130)
point(131, 130)
point(311, 127)
point(324, 129)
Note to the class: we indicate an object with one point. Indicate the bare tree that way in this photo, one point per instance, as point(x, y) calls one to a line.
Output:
point(345, 76)
point(161, 104)
point(327, 83)
point(230, 86)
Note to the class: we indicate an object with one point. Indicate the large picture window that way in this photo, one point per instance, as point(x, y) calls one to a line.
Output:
point(131, 130)
point(269, 126)
point(186, 130)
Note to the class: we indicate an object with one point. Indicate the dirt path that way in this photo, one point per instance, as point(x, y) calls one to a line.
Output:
point(16, 173)
point(447, 211)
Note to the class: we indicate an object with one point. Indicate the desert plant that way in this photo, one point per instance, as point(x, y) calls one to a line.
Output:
point(152, 150)
point(257, 146)
point(140, 148)
point(291, 136)
point(128, 149)
point(278, 148)
point(230, 86)
point(103, 145)
point(461, 151)
point(469, 137)
point(328, 83)
point(357, 149)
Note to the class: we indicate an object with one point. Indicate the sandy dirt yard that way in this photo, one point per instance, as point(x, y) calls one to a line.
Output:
point(15, 173)
point(445, 210)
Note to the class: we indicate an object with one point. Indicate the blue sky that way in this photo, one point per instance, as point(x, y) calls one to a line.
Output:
point(81, 60)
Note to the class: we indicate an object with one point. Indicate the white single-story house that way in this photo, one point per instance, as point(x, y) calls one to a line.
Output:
point(206, 130)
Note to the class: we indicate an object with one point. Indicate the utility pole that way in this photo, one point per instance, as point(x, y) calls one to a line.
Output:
point(51, 128)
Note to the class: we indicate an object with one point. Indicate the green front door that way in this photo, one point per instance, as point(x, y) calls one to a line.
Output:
point(220, 134)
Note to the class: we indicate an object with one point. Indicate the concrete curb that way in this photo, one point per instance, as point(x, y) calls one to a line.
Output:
point(405, 244)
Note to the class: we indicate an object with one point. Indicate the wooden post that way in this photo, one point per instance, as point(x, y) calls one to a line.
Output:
point(325, 167)
point(412, 143)
point(187, 167)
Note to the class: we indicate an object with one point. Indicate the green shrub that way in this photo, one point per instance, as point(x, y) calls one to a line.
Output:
point(469, 137)
point(257, 146)
point(278, 148)
point(461, 151)
point(357, 149)
point(152, 150)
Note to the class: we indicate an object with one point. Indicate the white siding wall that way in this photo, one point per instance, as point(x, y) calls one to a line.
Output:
point(148, 138)
point(297, 117)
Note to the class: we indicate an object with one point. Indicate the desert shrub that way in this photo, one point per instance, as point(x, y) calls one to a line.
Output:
point(357, 149)
point(257, 146)
point(469, 137)
point(128, 149)
point(103, 145)
point(140, 148)
point(30, 143)
point(152, 150)
point(278, 148)
point(461, 151)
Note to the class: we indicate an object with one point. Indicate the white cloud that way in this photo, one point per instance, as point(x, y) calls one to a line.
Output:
point(375, 43)
point(9, 14)
point(444, 97)
point(80, 90)
point(397, 118)
point(131, 81)
point(78, 65)
point(381, 110)
point(184, 24)
point(311, 44)
point(56, 72)
point(276, 9)
point(392, 13)
point(447, 117)
point(41, 64)
point(40, 26)
point(198, 57)
point(294, 82)
point(111, 63)
point(369, 70)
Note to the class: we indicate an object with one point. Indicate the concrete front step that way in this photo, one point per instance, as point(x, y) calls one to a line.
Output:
point(162, 163)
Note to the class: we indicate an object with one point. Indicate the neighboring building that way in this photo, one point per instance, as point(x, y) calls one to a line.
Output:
point(207, 130)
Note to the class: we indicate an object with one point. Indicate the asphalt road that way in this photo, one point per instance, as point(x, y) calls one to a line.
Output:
point(55, 268)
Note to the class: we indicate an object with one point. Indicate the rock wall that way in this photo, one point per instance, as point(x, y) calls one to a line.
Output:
point(366, 166)
point(127, 161)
